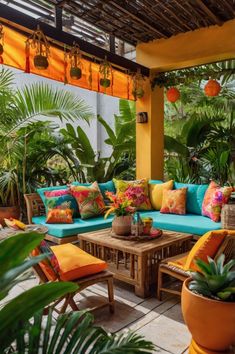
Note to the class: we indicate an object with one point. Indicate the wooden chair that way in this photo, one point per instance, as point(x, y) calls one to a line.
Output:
point(227, 247)
point(35, 207)
point(68, 300)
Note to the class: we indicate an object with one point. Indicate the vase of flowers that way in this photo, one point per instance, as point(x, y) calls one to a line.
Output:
point(122, 207)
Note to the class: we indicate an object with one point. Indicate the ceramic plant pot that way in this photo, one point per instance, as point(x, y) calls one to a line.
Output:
point(40, 62)
point(105, 82)
point(121, 225)
point(9, 212)
point(211, 322)
point(75, 73)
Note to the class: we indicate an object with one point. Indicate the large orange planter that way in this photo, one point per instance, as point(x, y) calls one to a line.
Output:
point(211, 322)
point(9, 212)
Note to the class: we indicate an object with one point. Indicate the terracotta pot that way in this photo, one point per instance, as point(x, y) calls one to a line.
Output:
point(75, 73)
point(9, 212)
point(121, 225)
point(40, 62)
point(211, 322)
point(105, 82)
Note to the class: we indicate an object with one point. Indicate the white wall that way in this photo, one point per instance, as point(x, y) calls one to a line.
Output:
point(100, 103)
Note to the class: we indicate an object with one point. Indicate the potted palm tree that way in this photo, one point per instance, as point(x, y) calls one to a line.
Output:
point(208, 305)
point(19, 107)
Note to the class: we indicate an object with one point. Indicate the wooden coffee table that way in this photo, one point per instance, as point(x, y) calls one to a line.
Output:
point(135, 262)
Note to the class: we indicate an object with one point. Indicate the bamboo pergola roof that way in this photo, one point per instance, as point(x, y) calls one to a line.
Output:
point(132, 21)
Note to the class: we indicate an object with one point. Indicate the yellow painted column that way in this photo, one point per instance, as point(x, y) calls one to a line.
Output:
point(150, 136)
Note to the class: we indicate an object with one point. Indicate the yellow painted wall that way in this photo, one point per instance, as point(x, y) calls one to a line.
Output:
point(201, 46)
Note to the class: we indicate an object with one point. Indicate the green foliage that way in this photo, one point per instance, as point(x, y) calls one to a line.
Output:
point(215, 280)
point(24, 328)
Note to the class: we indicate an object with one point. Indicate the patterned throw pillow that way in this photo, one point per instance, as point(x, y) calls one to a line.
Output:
point(137, 190)
point(61, 199)
point(59, 216)
point(89, 199)
point(214, 199)
point(174, 201)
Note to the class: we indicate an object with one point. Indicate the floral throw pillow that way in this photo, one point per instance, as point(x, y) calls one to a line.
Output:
point(174, 201)
point(89, 199)
point(59, 216)
point(61, 199)
point(215, 197)
point(135, 190)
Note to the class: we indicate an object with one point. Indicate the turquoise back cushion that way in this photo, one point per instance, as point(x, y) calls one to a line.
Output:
point(104, 187)
point(195, 196)
point(155, 181)
point(41, 191)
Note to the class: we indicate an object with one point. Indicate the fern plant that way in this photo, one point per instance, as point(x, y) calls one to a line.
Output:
point(215, 280)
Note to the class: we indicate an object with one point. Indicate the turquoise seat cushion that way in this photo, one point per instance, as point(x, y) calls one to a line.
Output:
point(104, 187)
point(79, 226)
point(189, 223)
point(195, 196)
point(41, 191)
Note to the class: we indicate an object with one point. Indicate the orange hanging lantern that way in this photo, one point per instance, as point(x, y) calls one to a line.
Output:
point(212, 88)
point(172, 94)
point(75, 57)
point(138, 85)
point(39, 43)
point(1, 43)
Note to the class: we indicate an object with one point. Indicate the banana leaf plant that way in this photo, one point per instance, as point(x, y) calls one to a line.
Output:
point(25, 329)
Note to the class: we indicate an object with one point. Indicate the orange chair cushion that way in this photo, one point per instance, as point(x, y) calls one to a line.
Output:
point(207, 245)
point(179, 263)
point(75, 263)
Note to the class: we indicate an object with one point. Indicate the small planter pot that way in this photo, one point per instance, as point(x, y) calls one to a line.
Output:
point(105, 83)
point(121, 225)
point(40, 62)
point(211, 322)
point(9, 212)
point(75, 73)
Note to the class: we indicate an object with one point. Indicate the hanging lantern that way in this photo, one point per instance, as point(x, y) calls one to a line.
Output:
point(172, 94)
point(105, 73)
point(1, 43)
point(138, 83)
point(38, 42)
point(212, 88)
point(75, 57)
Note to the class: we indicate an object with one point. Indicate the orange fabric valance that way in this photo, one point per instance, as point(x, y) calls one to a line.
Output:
point(14, 55)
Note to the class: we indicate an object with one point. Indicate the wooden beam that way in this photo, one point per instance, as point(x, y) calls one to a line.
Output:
point(112, 44)
point(209, 13)
point(27, 24)
point(58, 18)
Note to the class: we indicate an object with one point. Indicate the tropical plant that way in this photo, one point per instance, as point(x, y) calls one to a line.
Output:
point(23, 325)
point(19, 108)
point(90, 166)
point(215, 280)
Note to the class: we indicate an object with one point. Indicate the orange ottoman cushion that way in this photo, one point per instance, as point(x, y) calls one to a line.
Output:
point(75, 263)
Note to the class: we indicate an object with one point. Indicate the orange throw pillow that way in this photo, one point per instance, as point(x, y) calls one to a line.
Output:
point(75, 263)
point(174, 201)
point(59, 216)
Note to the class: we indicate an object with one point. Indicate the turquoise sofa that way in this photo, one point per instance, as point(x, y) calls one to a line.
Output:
point(193, 222)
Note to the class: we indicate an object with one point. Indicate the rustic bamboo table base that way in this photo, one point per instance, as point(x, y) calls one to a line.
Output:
point(135, 262)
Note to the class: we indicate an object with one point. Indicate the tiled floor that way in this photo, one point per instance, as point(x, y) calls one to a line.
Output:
point(160, 322)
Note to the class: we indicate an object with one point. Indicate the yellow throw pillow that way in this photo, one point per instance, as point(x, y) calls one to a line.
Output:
point(174, 201)
point(136, 190)
point(156, 193)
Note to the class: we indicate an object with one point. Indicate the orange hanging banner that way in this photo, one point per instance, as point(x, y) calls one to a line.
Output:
point(18, 55)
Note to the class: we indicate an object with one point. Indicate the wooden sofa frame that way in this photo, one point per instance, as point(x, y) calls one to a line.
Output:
point(35, 207)
point(227, 247)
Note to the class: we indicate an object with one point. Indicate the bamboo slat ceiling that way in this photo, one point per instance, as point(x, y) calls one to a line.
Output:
point(136, 21)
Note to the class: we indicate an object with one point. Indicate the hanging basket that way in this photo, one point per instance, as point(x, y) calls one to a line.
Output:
point(40, 62)
point(75, 73)
point(105, 73)
point(228, 217)
point(105, 83)
point(138, 84)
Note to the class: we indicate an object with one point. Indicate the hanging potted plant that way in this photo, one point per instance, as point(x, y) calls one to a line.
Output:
point(208, 305)
point(138, 83)
point(105, 73)
point(39, 43)
point(75, 62)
